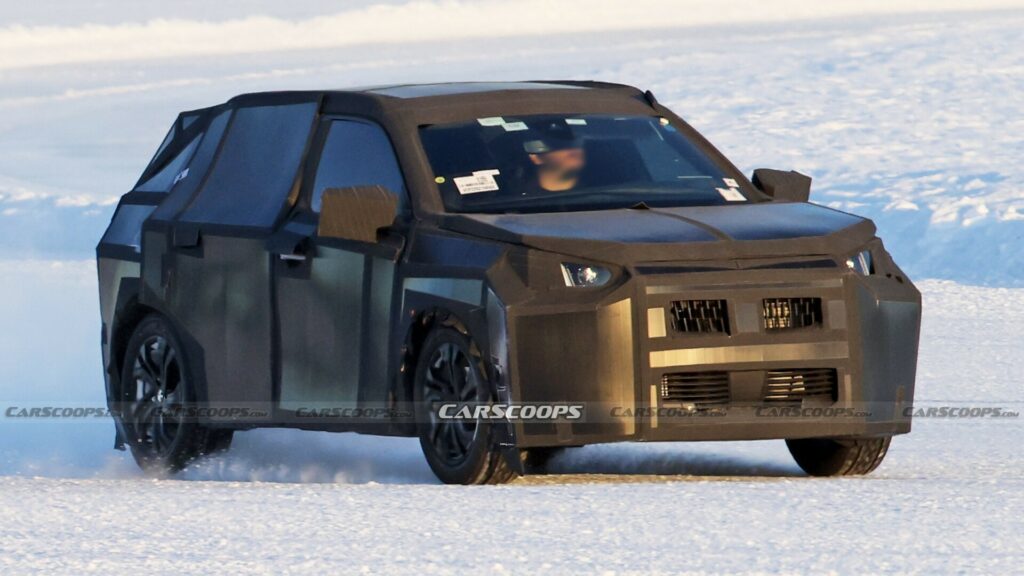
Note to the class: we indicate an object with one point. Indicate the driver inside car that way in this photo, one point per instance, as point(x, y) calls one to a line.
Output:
point(557, 158)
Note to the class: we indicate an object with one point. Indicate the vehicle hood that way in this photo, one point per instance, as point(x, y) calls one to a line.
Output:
point(626, 236)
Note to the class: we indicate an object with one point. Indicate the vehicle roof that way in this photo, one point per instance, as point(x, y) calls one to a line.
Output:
point(456, 88)
point(441, 89)
point(430, 103)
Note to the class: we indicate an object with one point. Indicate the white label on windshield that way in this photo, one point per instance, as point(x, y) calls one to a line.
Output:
point(575, 121)
point(515, 126)
point(492, 121)
point(730, 183)
point(731, 194)
point(480, 181)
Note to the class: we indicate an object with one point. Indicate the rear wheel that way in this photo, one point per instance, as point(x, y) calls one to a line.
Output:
point(156, 391)
point(827, 457)
point(459, 451)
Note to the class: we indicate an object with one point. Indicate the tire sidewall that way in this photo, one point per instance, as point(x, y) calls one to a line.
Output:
point(182, 449)
point(482, 450)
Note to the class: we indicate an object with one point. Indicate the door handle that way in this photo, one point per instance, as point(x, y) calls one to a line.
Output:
point(292, 257)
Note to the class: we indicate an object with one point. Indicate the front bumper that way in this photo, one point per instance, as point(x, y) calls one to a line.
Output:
point(848, 373)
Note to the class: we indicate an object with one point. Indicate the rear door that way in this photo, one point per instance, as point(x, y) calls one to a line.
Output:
point(217, 276)
point(335, 297)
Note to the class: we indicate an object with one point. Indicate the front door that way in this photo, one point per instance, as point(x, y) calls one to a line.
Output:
point(334, 297)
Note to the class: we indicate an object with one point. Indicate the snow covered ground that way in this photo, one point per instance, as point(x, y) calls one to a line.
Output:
point(949, 497)
point(902, 111)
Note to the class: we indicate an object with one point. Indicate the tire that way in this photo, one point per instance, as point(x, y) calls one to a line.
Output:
point(449, 369)
point(826, 457)
point(156, 388)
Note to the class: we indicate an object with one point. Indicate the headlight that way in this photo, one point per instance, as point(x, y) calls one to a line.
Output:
point(861, 263)
point(585, 275)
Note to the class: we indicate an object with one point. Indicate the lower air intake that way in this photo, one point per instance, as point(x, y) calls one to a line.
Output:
point(795, 386)
point(701, 389)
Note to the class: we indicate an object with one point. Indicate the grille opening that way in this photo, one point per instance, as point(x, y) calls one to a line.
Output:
point(703, 390)
point(791, 313)
point(700, 316)
point(794, 386)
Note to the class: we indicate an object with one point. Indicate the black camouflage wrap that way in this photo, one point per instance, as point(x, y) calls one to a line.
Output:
point(274, 315)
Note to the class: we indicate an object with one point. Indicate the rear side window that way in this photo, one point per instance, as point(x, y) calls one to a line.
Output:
point(172, 172)
point(185, 183)
point(256, 167)
point(167, 140)
point(126, 227)
point(357, 153)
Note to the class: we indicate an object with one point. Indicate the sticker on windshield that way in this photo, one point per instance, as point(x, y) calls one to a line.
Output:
point(576, 121)
point(492, 121)
point(730, 183)
point(479, 181)
point(731, 194)
point(515, 126)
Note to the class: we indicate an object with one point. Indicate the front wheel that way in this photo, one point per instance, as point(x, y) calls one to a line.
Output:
point(459, 451)
point(827, 457)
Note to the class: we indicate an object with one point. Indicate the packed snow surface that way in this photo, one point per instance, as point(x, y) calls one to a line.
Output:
point(949, 497)
point(905, 112)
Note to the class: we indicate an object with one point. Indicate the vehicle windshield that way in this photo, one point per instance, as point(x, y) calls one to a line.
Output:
point(558, 163)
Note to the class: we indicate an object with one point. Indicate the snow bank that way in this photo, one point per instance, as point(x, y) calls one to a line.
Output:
point(29, 46)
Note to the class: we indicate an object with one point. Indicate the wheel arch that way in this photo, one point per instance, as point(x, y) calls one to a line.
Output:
point(126, 321)
point(127, 318)
point(422, 323)
point(483, 322)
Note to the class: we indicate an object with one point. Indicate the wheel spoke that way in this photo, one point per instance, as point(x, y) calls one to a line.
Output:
point(153, 417)
point(455, 449)
point(432, 382)
point(168, 366)
point(470, 387)
point(142, 416)
point(144, 367)
point(437, 436)
point(464, 435)
point(450, 377)
point(159, 431)
point(453, 372)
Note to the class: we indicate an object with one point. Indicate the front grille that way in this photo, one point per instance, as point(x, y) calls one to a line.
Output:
point(701, 389)
point(791, 313)
point(796, 385)
point(700, 316)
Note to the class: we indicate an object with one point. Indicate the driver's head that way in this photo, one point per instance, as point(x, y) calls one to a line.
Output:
point(558, 156)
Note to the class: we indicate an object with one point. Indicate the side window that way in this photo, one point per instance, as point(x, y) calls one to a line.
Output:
point(357, 153)
point(126, 226)
point(172, 172)
point(256, 167)
point(197, 167)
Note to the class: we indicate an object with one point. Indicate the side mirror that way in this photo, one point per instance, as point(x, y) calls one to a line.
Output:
point(781, 185)
point(357, 213)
